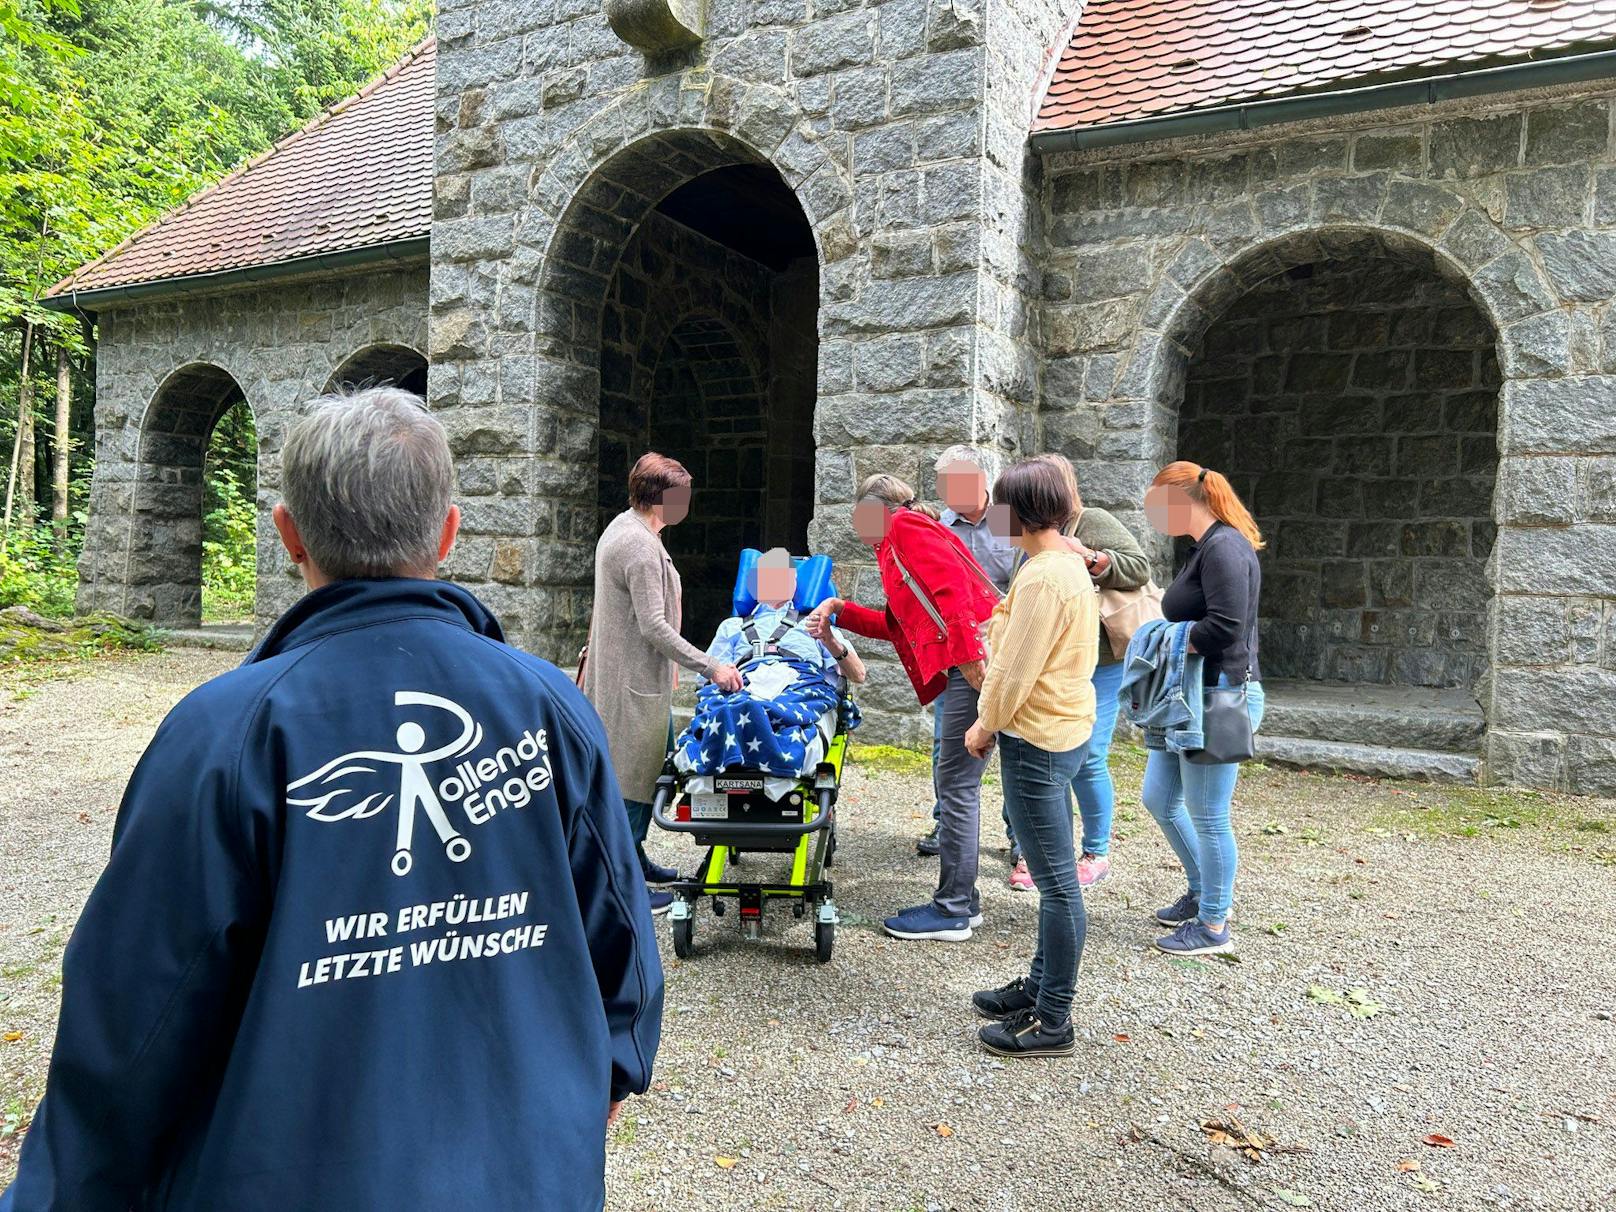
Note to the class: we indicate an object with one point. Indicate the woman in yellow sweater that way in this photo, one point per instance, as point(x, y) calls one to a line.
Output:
point(1038, 697)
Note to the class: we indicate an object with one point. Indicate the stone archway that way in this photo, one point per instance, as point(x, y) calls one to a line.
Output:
point(1413, 493)
point(381, 365)
point(1352, 399)
point(648, 304)
point(163, 560)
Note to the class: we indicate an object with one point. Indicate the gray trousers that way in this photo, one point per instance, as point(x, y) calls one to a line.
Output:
point(959, 797)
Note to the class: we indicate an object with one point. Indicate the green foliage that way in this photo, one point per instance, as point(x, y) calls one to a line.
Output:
point(113, 112)
point(230, 518)
point(35, 574)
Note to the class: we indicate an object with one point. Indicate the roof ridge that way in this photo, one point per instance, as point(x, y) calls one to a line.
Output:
point(320, 120)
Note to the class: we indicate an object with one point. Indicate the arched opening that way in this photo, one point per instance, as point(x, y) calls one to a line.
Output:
point(689, 277)
point(194, 534)
point(381, 366)
point(1349, 388)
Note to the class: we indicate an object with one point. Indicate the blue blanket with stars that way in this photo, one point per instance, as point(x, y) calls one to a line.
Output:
point(777, 733)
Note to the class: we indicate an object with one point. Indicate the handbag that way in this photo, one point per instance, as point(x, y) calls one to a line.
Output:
point(1225, 726)
point(1124, 611)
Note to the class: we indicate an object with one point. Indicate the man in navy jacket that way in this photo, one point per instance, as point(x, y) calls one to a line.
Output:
point(373, 935)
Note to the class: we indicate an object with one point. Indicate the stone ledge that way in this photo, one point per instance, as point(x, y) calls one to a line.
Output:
point(1374, 760)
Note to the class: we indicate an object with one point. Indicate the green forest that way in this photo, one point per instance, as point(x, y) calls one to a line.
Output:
point(111, 113)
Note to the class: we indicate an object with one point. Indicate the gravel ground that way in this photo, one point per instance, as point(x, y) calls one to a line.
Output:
point(1477, 923)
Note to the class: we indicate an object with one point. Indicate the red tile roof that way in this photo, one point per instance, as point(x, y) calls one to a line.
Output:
point(358, 175)
point(1132, 59)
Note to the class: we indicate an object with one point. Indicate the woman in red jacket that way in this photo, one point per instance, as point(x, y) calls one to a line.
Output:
point(938, 599)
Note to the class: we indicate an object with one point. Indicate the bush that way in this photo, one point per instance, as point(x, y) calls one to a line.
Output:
point(229, 548)
point(37, 574)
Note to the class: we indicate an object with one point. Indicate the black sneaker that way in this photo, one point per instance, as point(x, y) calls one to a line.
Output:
point(1003, 1001)
point(1023, 1035)
point(928, 845)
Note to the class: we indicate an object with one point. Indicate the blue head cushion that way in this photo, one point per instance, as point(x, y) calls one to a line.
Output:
point(814, 582)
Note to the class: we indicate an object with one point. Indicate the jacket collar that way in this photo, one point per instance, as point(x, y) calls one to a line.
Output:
point(345, 605)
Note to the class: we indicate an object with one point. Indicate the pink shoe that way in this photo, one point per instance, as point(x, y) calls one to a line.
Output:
point(1020, 877)
point(1092, 868)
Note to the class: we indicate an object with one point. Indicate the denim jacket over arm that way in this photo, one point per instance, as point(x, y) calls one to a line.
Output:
point(1162, 691)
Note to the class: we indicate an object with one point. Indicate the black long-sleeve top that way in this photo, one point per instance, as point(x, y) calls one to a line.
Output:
point(1218, 589)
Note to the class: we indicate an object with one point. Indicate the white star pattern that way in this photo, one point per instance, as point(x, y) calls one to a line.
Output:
point(729, 739)
point(754, 745)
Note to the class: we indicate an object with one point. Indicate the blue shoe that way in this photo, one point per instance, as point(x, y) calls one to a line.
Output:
point(1184, 909)
point(661, 901)
point(927, 921)
point(1197, 938)
point(656, 873)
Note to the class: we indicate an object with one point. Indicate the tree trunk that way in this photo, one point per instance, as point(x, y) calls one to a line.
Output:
point(64, 444)
point(21, 446)
point(27, 509)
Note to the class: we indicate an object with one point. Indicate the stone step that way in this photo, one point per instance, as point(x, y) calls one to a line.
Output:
point(1396, 718)
point(1377, 761)
point(225, 637)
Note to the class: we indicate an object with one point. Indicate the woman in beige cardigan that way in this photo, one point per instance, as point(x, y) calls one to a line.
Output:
point(634, 643)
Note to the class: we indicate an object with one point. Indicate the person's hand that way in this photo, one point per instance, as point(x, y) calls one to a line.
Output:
point(728, 678)
point(978, 740)
point(974, 672)
point(611, 1115)
point(818, 620)
point(1098, 562)
point(1077, 548)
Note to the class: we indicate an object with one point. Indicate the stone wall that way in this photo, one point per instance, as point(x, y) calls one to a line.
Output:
point(165, 370)
point(554, 141)
point(1513, 197)
point(1354, 405)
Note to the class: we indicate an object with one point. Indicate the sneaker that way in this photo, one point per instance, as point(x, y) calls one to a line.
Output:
point(1020, 877)
point(1180, 911)
point(656, 873)
point(976, 920)
point(1022, 1034)
point(1197, 938)
point(927, 921)
point(1092, 868)
point(1003, 1001)
point(928, 845)
point(661, 901)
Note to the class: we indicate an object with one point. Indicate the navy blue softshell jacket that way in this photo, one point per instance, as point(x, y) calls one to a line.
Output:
point(372, 936)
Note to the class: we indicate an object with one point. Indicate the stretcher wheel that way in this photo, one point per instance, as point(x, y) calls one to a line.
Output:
point(684, 937)
point(824, 940)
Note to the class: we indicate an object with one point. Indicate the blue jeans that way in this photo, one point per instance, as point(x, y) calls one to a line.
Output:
point(1191, 804)
point(1036, 797)
point(1095, 792)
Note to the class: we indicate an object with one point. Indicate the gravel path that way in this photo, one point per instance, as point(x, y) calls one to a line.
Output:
point(1477, 923)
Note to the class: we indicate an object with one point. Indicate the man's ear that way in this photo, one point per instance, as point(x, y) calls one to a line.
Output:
point(290, 539)
point(451, 529)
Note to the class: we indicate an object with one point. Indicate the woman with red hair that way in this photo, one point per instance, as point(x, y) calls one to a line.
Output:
point(1217, 591)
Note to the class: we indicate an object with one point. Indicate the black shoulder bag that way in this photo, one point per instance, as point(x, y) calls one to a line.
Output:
point(1225, 726)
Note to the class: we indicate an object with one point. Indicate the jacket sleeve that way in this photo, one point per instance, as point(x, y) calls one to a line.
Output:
point(861, 620)
point(1228, 601)
point(947, 571)
point(1130, 566)
point(611, 898)
point(651, 615)
point(155, 976)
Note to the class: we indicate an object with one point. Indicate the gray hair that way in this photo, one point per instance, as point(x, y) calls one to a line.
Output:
point(366, 476)
point(963, 454)
point(775, 557)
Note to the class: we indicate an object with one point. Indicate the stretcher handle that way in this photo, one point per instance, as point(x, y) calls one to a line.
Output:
point(738, 829)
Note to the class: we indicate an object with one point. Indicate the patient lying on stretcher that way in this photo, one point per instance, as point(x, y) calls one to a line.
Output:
point(784, 715)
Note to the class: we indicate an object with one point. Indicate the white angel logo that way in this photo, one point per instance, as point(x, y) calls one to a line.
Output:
point(326, 793)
